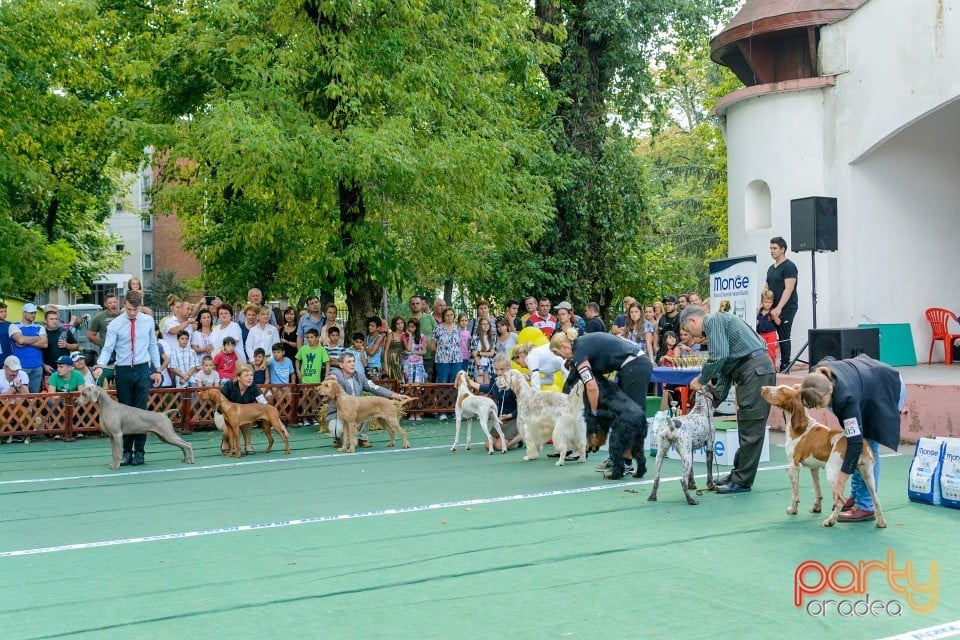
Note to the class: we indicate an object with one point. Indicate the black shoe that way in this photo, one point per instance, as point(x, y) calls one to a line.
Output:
point(137, 458)
point(557, 455)
point(733, 487)
point(127, 458)
point(724, 480)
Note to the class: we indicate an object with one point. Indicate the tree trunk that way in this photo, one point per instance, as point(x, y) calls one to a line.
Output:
point(363, 293)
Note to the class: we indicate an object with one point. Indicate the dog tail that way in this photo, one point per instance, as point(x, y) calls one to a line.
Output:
point(398, 407)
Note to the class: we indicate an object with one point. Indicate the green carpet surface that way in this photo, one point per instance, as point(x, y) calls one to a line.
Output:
point(425, 543)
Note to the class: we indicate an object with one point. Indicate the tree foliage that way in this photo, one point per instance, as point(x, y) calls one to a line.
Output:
point(684, 158)
point(606, 76)
point(59, 139)
point(340, 145)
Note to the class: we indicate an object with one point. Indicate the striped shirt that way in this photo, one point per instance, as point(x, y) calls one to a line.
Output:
point(730, 339)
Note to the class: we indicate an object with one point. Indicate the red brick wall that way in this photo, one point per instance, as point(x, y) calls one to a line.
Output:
point(167, 251)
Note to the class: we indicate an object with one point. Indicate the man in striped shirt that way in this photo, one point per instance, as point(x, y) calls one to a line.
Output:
point(738, 357)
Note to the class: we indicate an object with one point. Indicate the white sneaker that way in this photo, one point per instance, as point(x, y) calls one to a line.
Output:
point(443, 417)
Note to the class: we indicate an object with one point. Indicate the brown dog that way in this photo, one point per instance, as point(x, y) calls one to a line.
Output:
point(240, 418)
point(352, 410)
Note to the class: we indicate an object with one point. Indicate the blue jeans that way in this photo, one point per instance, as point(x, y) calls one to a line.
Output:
point(861, 494)
point(36, 379)
point(447, 373)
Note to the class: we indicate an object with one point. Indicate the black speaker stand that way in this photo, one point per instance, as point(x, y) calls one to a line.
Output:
point(813, 286)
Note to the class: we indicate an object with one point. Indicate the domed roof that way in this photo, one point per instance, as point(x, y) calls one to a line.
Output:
point(758, 29)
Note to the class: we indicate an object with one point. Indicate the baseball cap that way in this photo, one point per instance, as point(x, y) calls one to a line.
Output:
point(67, 360)
point(76, 356)
point(29, 308)
point(672, 299)
point(564, 305)
point(12, 363)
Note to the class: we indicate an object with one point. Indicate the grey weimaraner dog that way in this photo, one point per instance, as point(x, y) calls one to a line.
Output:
point(118, 419)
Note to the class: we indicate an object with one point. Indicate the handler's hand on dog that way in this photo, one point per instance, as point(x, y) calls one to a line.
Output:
point(695, 385)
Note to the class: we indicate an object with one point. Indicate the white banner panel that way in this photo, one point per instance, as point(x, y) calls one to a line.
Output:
point(734, 280)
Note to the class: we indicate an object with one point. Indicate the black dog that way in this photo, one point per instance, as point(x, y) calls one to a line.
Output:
point(627, 423)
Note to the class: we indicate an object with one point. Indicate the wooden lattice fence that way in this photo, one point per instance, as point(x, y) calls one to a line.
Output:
point(56, 414)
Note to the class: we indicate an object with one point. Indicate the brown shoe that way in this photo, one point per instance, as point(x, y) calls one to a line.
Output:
point(847, 505)
point(856, 515)
point(363, 444)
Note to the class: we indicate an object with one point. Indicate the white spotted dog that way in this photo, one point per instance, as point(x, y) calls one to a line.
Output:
point(470, 406)
point(570, 432)
point(815, 446)
point(686, 434)
point(537, 412)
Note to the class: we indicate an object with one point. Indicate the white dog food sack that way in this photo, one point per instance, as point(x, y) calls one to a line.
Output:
point(924, 484)
point(950, 474)
point(653, 431)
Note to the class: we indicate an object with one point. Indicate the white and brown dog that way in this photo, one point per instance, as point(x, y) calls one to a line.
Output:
point(483, 408)
point(812, 445)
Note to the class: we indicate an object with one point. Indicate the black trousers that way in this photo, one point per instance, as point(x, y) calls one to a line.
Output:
point(783, 334)
point(133, 383)
point(635, 378)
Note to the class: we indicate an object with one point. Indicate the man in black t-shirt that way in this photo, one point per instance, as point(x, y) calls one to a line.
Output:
point(60, 341)
point(594, 321)
point(669, 321)
point(782, 281)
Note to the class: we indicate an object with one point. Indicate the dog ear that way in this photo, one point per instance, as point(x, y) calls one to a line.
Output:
point(824, 371)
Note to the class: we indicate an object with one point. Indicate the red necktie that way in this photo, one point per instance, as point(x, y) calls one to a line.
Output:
point(133, 339)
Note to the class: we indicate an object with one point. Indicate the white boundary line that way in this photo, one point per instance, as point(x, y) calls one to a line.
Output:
point(225, 465)
point(349, 516)
point(945, 630)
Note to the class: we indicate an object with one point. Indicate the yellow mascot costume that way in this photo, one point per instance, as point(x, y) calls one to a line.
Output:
point(533, 335)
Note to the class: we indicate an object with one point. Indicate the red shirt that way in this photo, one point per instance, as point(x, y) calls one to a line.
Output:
point(226, 365)
point(546, 325)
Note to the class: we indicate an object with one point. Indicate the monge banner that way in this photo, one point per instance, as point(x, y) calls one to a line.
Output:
point(734, 281)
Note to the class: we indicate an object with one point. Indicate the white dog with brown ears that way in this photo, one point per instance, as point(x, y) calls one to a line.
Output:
point(815, 446)
point(483, 408)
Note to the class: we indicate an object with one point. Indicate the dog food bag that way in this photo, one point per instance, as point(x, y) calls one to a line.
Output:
point(924, 481)
point(653, 433)
point(950, 473)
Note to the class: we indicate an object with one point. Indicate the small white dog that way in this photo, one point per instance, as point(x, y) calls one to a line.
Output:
point(570, 432)
point(483, 408)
